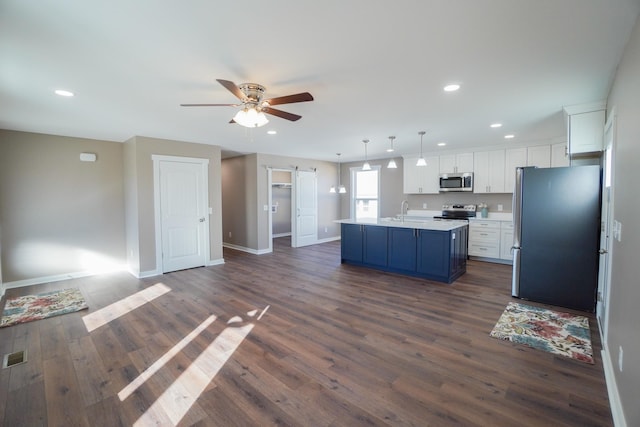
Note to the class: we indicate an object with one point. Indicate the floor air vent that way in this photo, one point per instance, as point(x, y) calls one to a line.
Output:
point(13, 359)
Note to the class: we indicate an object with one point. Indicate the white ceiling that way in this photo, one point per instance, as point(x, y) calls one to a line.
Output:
point(375, 67)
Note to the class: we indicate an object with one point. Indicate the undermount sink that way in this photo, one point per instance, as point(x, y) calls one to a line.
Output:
point(391, 219)
point(396, 219)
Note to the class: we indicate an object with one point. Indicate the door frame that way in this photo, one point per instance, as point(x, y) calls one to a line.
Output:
point(604, 281)
point(270, 201)
point(157, 212)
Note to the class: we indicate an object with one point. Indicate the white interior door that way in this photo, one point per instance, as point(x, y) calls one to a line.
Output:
point(183, 214)
point(606, 217)
point(306, 223)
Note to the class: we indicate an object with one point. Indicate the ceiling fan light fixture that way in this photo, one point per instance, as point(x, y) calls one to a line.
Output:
point(250, 117)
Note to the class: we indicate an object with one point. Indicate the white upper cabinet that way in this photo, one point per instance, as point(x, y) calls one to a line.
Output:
point(514, 158)
point(559, 155)
point(585, 132)
point(489, 171)
point(585, 127)
point(456, 163)
point(539, 156)
point(421, 179)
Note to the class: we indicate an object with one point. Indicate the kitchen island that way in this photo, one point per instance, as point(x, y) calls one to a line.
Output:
point(431, 249)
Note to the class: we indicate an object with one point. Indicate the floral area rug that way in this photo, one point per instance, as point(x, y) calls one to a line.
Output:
point(552, 331)
point(35, 307)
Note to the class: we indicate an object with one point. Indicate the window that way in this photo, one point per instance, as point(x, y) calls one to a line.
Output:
point(366, 189)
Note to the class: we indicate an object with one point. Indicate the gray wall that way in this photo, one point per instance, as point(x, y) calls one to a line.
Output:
point(281, 218)
point(141, 249)
point(624, 315)
point(239, 201)
point(59, 215)
point(245, 192)
point(391, 193)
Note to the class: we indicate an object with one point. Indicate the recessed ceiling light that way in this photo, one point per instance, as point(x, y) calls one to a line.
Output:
point(496, 125)
point(441, 144)
point(63, 92)
point(509, 136)
point(451, 87)
point(272, 132)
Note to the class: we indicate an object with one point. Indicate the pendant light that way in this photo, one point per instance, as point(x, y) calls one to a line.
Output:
point(366, 166)
point(392, 163)
point(421, 160)
point(341, 188)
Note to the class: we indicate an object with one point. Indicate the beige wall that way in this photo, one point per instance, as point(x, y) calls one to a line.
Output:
point(624, 316)
point(391, 193)
point(140, 203)
point(245, 193)
point(328, 203)
point(239, 201)
point(59, 215)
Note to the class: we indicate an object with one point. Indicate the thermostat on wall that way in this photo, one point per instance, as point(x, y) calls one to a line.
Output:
point(88, 157)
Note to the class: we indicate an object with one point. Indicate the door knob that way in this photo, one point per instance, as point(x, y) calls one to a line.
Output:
point(202, 220)
point(603, 251)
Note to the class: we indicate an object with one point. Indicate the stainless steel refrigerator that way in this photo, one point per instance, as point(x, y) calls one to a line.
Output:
point(556, 215)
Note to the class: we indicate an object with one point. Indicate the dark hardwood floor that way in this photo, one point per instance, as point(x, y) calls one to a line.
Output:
point(298, 339)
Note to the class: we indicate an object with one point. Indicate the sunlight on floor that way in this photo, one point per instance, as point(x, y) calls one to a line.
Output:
point(111, 312)
point(125, 392)
point(175, 401)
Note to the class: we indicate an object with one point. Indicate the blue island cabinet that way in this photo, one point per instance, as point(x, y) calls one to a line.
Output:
point(431, 254)
point(364, 244)
point(402, 248)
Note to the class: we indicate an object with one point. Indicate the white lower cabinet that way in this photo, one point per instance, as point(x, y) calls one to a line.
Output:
point(491, 239)
point(506, 240)
point(484, 238)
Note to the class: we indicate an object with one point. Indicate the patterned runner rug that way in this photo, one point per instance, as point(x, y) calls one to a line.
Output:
point(552, 331)
point(35, 307)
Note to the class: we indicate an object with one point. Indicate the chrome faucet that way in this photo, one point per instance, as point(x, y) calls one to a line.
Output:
point(403, 212)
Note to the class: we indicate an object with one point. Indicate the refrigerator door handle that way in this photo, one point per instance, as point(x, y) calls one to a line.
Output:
point(515, 280)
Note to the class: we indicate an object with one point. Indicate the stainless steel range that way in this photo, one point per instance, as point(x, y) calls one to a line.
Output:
point(459, 212)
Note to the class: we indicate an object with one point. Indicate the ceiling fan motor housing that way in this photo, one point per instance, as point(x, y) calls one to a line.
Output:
point(252, 91)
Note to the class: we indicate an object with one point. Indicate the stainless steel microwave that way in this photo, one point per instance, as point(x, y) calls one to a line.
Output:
point(456, 181)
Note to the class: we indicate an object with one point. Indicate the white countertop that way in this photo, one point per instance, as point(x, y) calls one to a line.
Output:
point(417, 224)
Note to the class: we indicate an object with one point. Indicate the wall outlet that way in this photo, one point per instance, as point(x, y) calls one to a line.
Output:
point(500, 208)
point(617, 230)
point(265, 208)
point(326, 229)
point(229, 234)
point(424, 206)
point(620, 354)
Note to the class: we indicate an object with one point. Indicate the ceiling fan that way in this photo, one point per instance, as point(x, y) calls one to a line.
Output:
point(254, 107)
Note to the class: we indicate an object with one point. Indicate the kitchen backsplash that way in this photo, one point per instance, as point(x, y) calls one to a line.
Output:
point(435, 201)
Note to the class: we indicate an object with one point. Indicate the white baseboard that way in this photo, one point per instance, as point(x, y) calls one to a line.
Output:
point(328, 239)
point(218, 261)
point(248, 250)
point(612, 388)
point(60, 277)
point(275, 236)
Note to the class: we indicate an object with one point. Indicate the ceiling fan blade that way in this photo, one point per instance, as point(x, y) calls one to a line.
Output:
point(231, 87)
point(282, 114)
point(210, 105)
point(290, 99)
